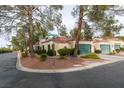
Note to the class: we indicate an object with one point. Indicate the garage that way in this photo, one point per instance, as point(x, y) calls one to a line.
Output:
point(105, 48)
point(116, 46)
point(85, 48)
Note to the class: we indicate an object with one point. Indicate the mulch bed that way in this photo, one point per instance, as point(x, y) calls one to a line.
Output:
point(55, 63)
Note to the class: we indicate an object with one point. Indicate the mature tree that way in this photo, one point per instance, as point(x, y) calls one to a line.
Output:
point(62, 30)
point(39, 32)
point(48, 16)
point(93, 14)
point(19, 42)
point(80, 23)
point(73, 33)
point(88, 33)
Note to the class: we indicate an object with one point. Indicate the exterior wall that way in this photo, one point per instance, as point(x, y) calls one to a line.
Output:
point(57, 45)
point(46, 45)
point(61, 45)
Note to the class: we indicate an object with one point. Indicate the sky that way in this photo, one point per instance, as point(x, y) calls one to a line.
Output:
point(67, 19)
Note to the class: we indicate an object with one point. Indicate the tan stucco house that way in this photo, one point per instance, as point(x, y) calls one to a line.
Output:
point(64, 42)
point(105, 45)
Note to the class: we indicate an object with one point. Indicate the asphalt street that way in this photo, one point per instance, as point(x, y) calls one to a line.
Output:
point(107, 76)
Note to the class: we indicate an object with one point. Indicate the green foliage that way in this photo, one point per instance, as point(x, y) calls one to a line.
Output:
point(24, 54)
point(88, 34)
point(5, 50)
point(91, 55)
point(43, 56)
point(117, 50)
point(39, 32)
point(63, 30)
point(63, 51)
point(113, 52)
point(101, 18)
point(40, 51)
point(73, 33)
point(98, 51)
point(20, 42)
point(51, 52)
point(122, 48)
point(43, 51)
point(67, 51)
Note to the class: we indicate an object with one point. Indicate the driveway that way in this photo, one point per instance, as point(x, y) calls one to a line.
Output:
point(111, 75)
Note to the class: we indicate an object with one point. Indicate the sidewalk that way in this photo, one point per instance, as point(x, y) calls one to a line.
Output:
point(76, 67)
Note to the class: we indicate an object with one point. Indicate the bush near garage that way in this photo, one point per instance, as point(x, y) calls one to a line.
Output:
point(91, 55)
point(117, 50)
point(122, 48)
point(113, 52)
point(98, 51)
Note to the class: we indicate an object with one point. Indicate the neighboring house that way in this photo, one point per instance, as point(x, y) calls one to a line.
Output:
point(107, 45)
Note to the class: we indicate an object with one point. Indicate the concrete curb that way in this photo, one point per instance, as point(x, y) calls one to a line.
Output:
point(22, 68)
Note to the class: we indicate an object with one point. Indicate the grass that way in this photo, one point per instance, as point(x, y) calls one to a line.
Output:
point(91, 56)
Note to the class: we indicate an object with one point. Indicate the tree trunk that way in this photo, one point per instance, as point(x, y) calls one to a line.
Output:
point(30, 32)
point(80, 23)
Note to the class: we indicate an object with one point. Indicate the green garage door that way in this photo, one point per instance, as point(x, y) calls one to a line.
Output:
point(85, 48)
point(105, 48)
point(117, 46)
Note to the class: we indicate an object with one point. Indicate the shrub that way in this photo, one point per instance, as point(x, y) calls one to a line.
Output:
point(43, 56)
point(63, 51)
point(40, 51)
point(91, 55)
point(24, 54)
point(51, 52)
point(5, 50)
point(113, 52)
point(122, 48)
point(43, 51)
point(67, 52)
point(71, 51)
point(98, 51)
point(117, 50)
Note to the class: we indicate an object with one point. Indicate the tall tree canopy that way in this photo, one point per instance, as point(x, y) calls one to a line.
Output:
point(48, 16)
point(95, 16)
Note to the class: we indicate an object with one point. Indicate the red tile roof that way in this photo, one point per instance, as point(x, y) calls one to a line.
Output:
point(59, 40)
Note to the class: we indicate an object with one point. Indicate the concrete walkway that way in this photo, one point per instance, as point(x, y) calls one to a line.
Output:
point(111, 57)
